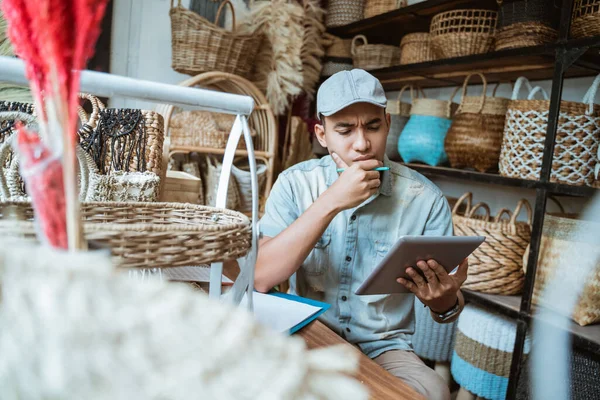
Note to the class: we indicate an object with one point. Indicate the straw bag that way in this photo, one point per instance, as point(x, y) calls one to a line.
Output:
point(211, 172)
point(416, 48)
point(496, 266)
point(422, 138)
point(240, 170)
point(376, 7)
point(461, 33)
point(343, 12)
point(199, 45)
point(586, 18)
point(523, 23)
point(475, 136)
point(399, 114)
point(577, 137)
point(562, 235)
point(373, 56)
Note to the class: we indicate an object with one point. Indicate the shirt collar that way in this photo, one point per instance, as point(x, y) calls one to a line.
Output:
point(386, 176)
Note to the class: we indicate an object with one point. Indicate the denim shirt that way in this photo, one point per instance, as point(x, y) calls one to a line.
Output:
point(353, 244)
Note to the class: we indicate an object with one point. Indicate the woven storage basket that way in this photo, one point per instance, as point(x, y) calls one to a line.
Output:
point(586, 18)
point(198, 45)
point(577, 137)
point(241, 172)
point(431, 340)
point(142, 235)
point(181, 187)
point(376, 7)
point(483, 352)
point(523, 23)
point(203, 129)
point(562, 235)
point(461, 33)
point(496, 266)
point(343, 12)
point(524, 34)
point(422, 138)
point(416, 48)
point(475, 136)
point(373, 56)
point(337, 47)
point(333, 66)
point(399, 114)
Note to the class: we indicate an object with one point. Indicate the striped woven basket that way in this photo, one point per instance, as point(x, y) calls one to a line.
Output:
point(343, 12)
point(496, 266)
point(399, 115)
point(483, 352)
point(431, 340)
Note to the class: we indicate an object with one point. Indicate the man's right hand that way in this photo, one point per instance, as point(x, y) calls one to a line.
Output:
point(356, 184)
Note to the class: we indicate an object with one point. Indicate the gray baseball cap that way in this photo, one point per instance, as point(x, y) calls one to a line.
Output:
point(346, 88)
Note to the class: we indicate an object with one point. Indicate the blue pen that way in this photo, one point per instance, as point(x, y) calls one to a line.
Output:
point(376, 169)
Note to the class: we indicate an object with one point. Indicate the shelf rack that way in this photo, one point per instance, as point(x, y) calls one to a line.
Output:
point(566, 58)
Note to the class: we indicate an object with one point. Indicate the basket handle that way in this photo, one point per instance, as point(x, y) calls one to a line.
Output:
point(92, 120)
point(412, 95)
point(178, 3)
point(558, 203)
point(476, 207)
point(449, 106)
point(501, 213)
point(534, 92)
point(522, 202)
point(464, 91)
point(590, 95)
point(495, 89)
point(353, 48)
point(517, 88)
point(468, 196)
point(223, 3)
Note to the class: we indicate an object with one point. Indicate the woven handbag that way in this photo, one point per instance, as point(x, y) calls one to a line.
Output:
point(399, 114)
point(586, 18)
point(459, 33)
point(343, 12)
point(373, 56)
point(523, 23)
point(577, 137)
point(416, 48)
point(496, 266)
point(563, 234)
point(475, 136)
point(211, 171)
point(199, 45)
point(240, 170)
point(422, 138)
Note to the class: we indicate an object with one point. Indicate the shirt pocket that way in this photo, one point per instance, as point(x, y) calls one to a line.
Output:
point(381, 249)
point(318, 260)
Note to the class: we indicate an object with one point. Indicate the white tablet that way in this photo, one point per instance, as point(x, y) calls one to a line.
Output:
point(448, 251)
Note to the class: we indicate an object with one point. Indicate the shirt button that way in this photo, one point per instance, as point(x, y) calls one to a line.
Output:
point(344, 298)
point(348, 258)
point(347, 329)
point(353, 217)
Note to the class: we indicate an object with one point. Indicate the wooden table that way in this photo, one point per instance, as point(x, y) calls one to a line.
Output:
point(381, 384)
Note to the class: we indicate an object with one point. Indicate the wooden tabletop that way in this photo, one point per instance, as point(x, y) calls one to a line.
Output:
point(381, 384)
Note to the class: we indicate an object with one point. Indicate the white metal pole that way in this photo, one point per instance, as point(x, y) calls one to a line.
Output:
point(107, 85)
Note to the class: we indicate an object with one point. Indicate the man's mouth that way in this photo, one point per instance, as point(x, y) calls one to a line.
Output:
point(363, 158)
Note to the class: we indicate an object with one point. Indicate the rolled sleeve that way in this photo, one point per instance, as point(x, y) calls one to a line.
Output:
point(280, 209)
point(439, 222)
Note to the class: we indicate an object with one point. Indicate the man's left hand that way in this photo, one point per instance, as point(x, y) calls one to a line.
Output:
point(438, 290)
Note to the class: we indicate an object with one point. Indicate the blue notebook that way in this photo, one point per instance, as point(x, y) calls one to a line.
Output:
point(323, 307)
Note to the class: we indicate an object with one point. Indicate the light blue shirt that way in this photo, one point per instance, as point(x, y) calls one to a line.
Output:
point(353, 244)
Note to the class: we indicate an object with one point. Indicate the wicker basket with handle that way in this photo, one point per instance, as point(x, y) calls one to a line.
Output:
point(199, 45)
point(577, 137)
point(459, 33)
point(586, 18)
point(496, 266)
point(399, 114)
point(373, 56)
point(416, 48)
point(475, 136)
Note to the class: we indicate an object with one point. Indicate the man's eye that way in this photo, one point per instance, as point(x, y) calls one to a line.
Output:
point(374, 127)
point(344, 132)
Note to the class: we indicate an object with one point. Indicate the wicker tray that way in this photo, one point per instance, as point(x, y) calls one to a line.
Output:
point(149, 235)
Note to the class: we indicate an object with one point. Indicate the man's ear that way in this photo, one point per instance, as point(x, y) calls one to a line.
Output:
point(320, 134)
point(388, 118)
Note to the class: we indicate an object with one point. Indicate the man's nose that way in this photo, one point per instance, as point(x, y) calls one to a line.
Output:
point(361, 143)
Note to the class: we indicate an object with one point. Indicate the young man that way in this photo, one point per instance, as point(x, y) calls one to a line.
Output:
point(327, 231)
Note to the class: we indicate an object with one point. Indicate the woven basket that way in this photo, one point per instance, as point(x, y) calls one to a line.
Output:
point(159, 235)
point(524, 34)
point(376, 7)
point(577, 137)
point(431, 340)
point(199, 45)
point(461, 33)
point(546, 12)
point(496, 266)
point(337, 47)
point(475, 136)
point(422, 138)
point(241, 172)
point(586, 18)
point(399, 115)
point(561, 237)
point(331, 67)
point(89, 122)
point(181, 187)
point(343, 12)
point(373, 56)
point(416, 48)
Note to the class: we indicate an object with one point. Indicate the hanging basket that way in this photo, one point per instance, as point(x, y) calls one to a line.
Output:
point(496, 266)
point(475, 136)
point(461, 33)
point(577, 137)
point(373, 56)
point(586, 18)
point(142, 235)
point(199, 45)
point(343, 12)
point(416, 48)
